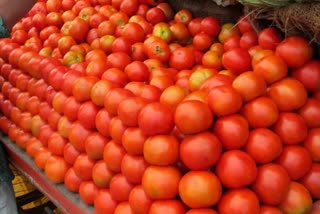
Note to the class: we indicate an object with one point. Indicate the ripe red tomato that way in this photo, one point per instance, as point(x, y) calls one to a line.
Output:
point(133, 167)
point(240, 200)
point(275, 179)
point(207, 192)
point(296, 160)
point(120, 188)
point(193, 116)
point(182, 58)
point(295, 51)
point(291, 128)
point(269, 38)
point(200, 151)
point(312, 143)
point(156, 118)
point(237, 61)
point(289, 94)
point(298, 198)
point(155, 146)
point(309, 75)
point(232, 130)
point(167, 206)
point(161, 182)
point(236, 169)
point(139, 201)
point(261, 112)
point(83, 166)
point(103, 202)
point(88, 191)
point(267, 151)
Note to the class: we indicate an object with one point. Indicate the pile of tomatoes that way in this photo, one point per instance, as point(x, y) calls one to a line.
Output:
point(141, 109)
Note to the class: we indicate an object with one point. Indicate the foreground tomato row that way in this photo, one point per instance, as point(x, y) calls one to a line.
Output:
point(143, 110)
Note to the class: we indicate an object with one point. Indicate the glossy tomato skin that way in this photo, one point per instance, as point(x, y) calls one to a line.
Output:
point(298, 199)
point(156, 118)
point(295, 51)
point(200, 151)
point(312, 143)
point(236, 169)
point(275, 179)
point(237, 60)
point(241, 201)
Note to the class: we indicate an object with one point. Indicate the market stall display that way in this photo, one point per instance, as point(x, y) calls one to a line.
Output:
point(129, 106)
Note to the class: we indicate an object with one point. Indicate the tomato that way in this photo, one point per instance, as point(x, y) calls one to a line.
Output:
point(133, 141)
point(311, 143)
point(100, 90)
point(101, 175)
point(137, 71)
point(113, 154)
point(41, 157)
point(264, 209)
point(139, 201)
point(236, 169)
point(56, 168)
point(83, 166)
point(56, 143)
point(118, 60)
point(156, 118)
point(237, 60)
point(155, 15)
point(72, 181)
point(212, 59)
point(134, 32)
point(309, 75)
point(295, 51)
point(224, 100)
point(88, 191)
point(120, 188)
point(202, 41)
point(244, 24)
point(269, 38)
point(216, 80)
point(77, 135)
point(298, 199)
point(311, 180)
point(157, 49)
point(201, 211)
point(248, 39)
point(271, 147)
point(241, 201)
point(167, 206)
point(182, 58)
point(207, 192)
point(275, 179)
point(296, 160)
point(103, 202)
point(193, 116)
point(293, 123)
point(250, 85)
point(272, 68)
point(133, 167)
point(232, 130)
point(161, 182)
point(180, 33)
point(289, 94)
point(155, 146)
point(260, 112)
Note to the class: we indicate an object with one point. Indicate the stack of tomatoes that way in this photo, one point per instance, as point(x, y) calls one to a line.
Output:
point(141, 109)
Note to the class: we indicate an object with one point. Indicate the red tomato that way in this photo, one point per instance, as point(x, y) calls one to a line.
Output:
point(83, 166)
point(295, 51)
point(298, 198)
point(267, 151)
point(248, 39)
point(232, 130)
point(113, 154)
point(156, 118)
point(275, 179)
point(133, 167)
point(210, 25)
point(103, 202)
point(167, 206)
point(296, 160)
point(269, 38)
point(133, 141)
point(161, 182)
point(260, 112)
point(291, 128)
point(236, 169)
point(312, 143)
point(88, 191)
point(182, 58)
point(224, 100)
point(244, 24)
point(139, 201)
point(193, 116)
point(240, 201)
point(271, 67)
point(200, 151)
point(309, 75)
point(183, 16)
point(155, 15)
point(120, 188)
point(237, 60)
point(289, 94)
point(206, 193)
point(311, 180)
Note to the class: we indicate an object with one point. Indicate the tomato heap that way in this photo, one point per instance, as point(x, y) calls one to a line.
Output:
point(141, 109)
